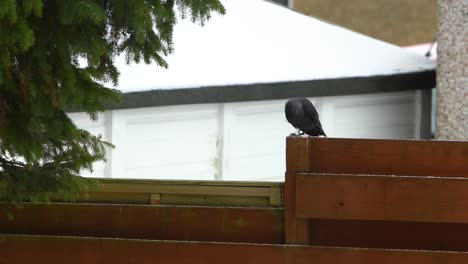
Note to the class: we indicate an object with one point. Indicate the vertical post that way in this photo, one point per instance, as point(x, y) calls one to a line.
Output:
point(275, 196)
point(297, 160)
point(219, 143)
point(423, 114)
point(452, 70)
point(155, 198)
point(108, 119)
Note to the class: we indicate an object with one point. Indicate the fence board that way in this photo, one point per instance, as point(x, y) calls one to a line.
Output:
point(30, 249)
point(254, 225)
point(373, 197)
point(183, 192)
point(389, 198)
point(385, 234)
point(377, 156)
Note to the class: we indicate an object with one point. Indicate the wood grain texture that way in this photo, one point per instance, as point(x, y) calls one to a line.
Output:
point(297, 154)
point(71, 250)
point(189, 182)
point(187, 189)
point(184, 192)
point(389, 234)
point(215, 200)
point(297, 160)
point(276, 196)
point(388, 198)
point(174, 199)
point(226, 224)
point(155, 198)
point(375, 156)
point(296, 229)
point(377, 193)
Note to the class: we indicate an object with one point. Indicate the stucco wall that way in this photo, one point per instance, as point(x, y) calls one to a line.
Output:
point(402, 22)
point(452, 70)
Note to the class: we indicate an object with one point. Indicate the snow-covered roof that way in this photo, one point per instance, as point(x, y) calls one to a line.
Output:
point(259, 42)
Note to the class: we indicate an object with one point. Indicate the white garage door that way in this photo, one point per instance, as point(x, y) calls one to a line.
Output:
point(236, 141)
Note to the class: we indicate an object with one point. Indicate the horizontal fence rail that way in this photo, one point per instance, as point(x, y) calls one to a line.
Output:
point(71, 250)
point(180, 192)
point(225, 224)
point(377, 156)
point(386, 198)
point(388, 234)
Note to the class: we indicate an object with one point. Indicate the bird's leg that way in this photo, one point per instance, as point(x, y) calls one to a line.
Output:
point(297, 134)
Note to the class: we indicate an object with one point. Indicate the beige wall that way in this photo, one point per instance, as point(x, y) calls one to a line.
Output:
point(402, 22)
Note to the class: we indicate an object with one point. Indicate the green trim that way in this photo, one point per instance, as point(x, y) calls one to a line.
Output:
point(282, 90)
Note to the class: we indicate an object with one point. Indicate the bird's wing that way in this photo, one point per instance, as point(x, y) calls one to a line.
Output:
point(314, 128)
point(310, 110)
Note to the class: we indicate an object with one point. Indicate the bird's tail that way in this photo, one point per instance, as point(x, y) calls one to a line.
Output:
point(321, 131)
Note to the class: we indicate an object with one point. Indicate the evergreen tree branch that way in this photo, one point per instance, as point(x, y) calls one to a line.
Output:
point(41, 44)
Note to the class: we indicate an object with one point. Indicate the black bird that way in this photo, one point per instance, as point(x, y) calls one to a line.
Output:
point(301, 113)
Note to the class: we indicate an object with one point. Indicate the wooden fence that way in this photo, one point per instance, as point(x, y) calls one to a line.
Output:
point(180, 192)
point(45, 249)
point(377, 193)
point(345, 201)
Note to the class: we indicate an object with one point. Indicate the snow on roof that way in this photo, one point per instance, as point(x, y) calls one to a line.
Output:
point(262, 42)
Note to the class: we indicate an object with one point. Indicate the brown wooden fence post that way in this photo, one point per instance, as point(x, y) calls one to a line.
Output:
point(297, 160)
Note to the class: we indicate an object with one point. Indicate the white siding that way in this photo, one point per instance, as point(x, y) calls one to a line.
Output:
point(96, 128)
point(389, 116)
point(236, 141)
point(254, 141)
point(175, 142)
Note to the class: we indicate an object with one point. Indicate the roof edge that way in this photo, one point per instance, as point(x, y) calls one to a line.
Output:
point(281, 90)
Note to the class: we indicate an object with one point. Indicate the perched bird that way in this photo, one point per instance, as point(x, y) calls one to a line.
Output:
point(301, 113)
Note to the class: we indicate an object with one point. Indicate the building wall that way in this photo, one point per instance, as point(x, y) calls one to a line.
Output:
point(401, 22)
point(237, 141)
point(452, 70)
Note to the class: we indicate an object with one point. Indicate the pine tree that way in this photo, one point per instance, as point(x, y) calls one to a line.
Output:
point(54, 56)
